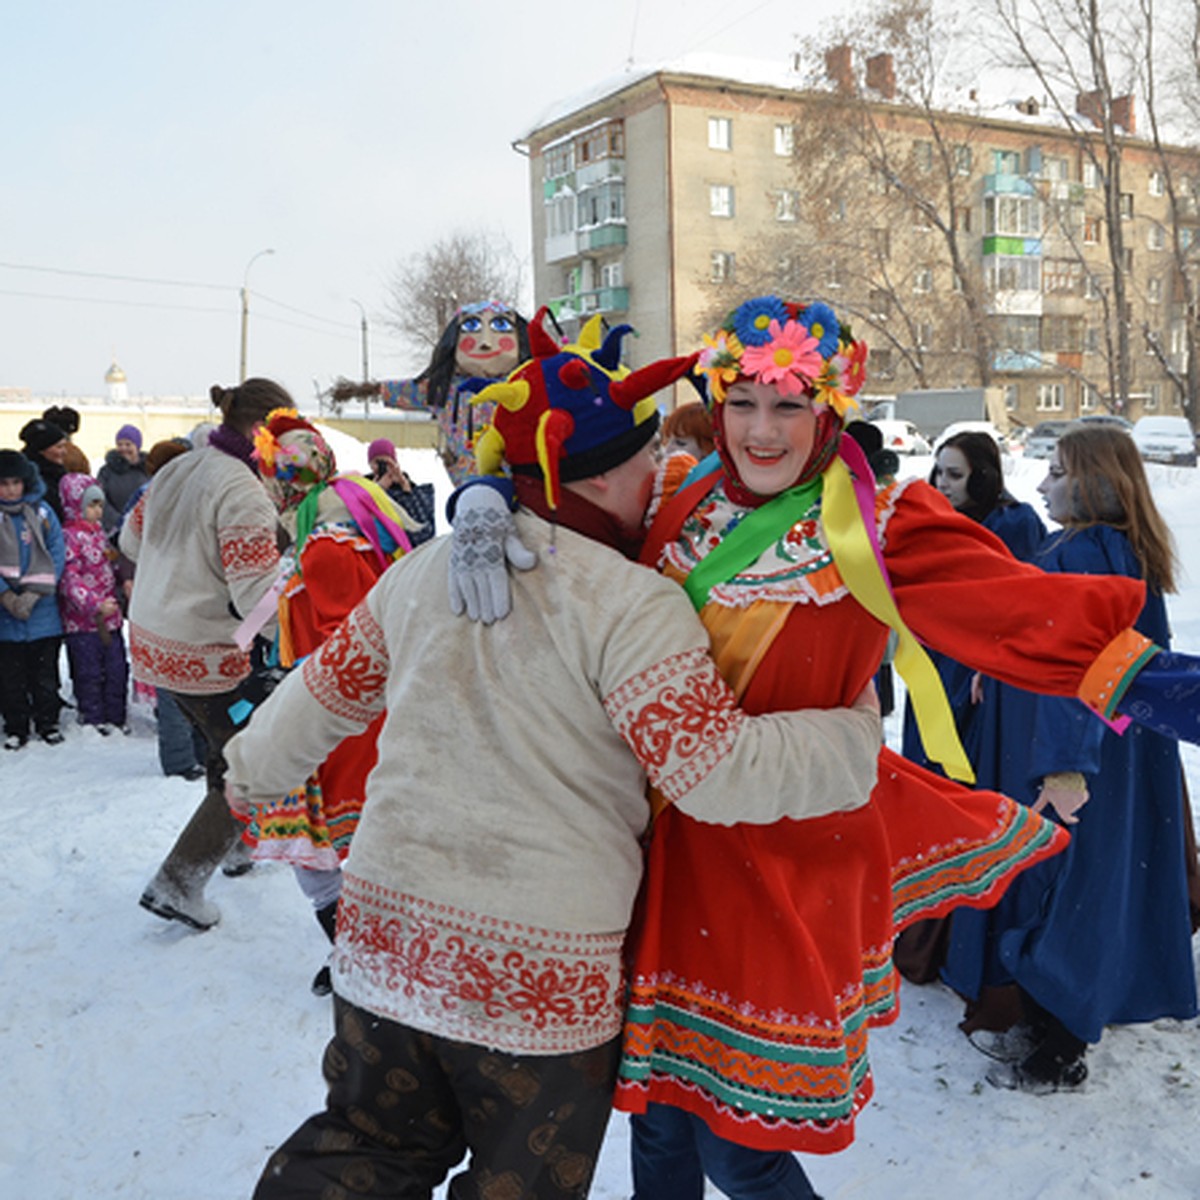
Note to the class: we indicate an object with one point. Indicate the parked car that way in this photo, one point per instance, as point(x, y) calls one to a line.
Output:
point(971, 427)
point(1166, 440)
point(1108, 419)
point(901, 436)
point(1043, 439)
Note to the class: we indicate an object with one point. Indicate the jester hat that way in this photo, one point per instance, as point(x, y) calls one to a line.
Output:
point(573, 411)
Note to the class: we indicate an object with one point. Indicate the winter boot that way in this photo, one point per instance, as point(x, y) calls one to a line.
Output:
point(169, 901)
point(237, 860)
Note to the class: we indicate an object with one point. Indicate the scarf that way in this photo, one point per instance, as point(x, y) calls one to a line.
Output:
point(39, 575)
point(237, 445)
point(580, 515)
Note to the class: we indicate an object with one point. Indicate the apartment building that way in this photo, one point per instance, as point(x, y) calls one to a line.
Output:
point(675, 193)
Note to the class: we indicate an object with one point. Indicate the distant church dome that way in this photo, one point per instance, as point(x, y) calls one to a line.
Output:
point(114, 374)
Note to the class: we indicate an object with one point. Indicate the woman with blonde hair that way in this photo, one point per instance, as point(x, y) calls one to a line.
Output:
point(1100, 935)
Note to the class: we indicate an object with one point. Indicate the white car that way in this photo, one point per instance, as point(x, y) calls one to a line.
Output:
point(970, 427)
point(1166, 440)
point(1041, 442)
point(902, 437)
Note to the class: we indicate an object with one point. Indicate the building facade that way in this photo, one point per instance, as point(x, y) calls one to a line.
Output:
point(666, 200)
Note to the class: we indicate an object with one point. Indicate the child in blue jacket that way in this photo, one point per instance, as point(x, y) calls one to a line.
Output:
point(31, 564)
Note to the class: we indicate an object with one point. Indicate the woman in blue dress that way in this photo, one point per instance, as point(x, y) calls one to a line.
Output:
point(1101, 934)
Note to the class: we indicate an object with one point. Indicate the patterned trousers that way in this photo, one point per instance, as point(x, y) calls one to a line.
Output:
point(404, 1108)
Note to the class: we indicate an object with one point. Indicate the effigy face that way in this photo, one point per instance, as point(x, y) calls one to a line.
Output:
point(488, 346)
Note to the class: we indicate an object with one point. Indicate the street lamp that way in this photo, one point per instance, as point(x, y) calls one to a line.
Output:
point(365, 370)
point(246, 312)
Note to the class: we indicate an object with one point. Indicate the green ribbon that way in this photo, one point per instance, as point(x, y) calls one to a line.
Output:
point(745, 543)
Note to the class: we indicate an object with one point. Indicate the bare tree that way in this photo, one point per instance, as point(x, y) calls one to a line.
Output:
point(462, 268)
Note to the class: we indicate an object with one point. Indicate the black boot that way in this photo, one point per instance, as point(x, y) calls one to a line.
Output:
point(322, 983)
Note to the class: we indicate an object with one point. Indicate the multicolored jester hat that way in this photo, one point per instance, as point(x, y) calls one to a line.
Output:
point(573, 411)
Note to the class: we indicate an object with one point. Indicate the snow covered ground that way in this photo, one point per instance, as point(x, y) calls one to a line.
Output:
point(147, 1062)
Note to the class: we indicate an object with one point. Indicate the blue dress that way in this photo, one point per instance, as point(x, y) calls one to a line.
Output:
point(1022, 531)
point(1100, 934)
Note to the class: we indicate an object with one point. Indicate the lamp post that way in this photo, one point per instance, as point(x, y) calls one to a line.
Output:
point(246, 312)
point(365, 369)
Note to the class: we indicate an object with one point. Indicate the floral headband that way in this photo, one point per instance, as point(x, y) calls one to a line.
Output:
point(799, 349)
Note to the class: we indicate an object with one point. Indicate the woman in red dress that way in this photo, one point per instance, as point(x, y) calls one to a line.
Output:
point(763, 954)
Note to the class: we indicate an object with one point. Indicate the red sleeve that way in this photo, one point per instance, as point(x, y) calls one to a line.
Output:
point(962, 593)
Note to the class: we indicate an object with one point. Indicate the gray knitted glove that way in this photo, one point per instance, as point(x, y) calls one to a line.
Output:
point(20, 604)
point(485, 543)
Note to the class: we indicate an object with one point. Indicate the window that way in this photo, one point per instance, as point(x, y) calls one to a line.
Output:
point(1055, 168)
point(1127, 258)
point(720, 133)
point(1091, 340)
point(1091, 288)
point(837, 208)
point(1091, 175)
point(720, 200)
point(881, 242)
point(1062, 277)
point(1156, 236)
point(1012, 216)
point(1012, 397)
point(1186, 238)
point(1006, 162)
point(787, 205)
point(923, 157)
point(1021, 335)
point(1126, 205)
point(923, 279)
point(962, 219)
point(1091, 231)
point(1153, 396)
point(881, 363)
point(834, 274)
point(1051, 397)
point(1089, 398)
point(924, 335)
point(559, 160)
point(1062, 335)
point(1013, 273)
point(785, 140)
point(612, 275)
point(963, 160)
point(1155, 183)
point(597, 206)
point(880, 304)
point(1154, 290)
point(722, 267)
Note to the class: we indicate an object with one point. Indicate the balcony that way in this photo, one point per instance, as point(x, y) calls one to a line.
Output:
point(580, 241)
point(585, 304)
point(1007, 185)
point(1008, 361)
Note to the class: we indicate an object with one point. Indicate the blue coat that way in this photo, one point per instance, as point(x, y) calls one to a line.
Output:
point(1100, 934)
point(44, 621)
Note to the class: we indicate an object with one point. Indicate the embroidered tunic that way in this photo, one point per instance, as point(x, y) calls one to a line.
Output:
point(490, 883)
point(763, 953)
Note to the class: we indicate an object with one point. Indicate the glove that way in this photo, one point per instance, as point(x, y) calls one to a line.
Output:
point(484, 543)
point(1066, 792)
point(19, 604)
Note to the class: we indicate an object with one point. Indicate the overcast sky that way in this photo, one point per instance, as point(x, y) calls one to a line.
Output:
point(174, 141)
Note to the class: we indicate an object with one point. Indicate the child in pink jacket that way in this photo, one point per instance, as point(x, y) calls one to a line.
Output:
point(90, 610)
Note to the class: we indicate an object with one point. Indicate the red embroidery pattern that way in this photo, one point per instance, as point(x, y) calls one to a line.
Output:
point(138, 516)
point(348, 674)
point(247, 550)
point(180, 667)
point(679, 718)
point(473, 977)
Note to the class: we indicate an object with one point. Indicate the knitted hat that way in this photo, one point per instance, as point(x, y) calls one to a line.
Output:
point(380, 448)
point(292, 456)
point(39, 435)
point(14, 465)
point(573, 411)
point(94, 494)
point(129, 433)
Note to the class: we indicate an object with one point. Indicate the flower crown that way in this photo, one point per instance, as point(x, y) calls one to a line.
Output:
point(801, 349)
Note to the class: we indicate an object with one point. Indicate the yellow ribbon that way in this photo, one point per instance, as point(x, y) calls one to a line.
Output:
point(854, 554)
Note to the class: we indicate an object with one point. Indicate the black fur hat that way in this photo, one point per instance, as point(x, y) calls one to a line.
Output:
point(39, 435)
point(14, 465)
